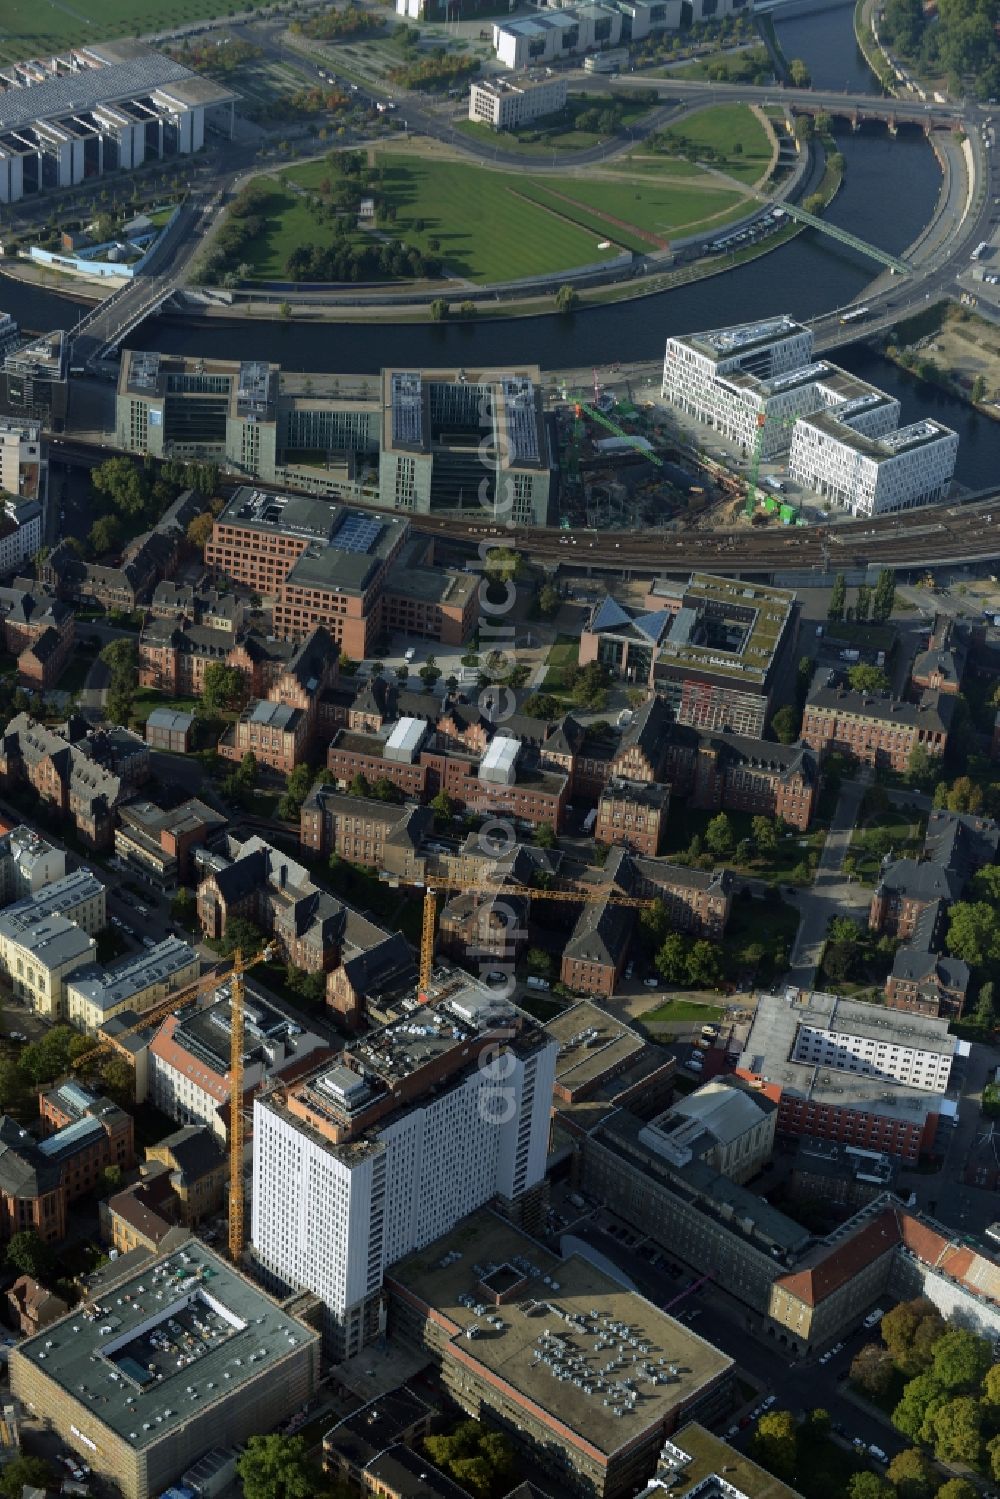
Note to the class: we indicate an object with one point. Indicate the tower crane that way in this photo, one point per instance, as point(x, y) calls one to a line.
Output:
point(605, 421)
point(237, 1122)
point(434, 883)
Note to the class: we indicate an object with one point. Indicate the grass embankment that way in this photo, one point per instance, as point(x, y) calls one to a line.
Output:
point(32, 30)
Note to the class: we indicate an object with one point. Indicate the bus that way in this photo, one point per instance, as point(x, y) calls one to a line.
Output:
point(980, 250)
point(855, 315)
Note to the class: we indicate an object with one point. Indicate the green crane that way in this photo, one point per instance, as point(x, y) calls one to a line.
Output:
point(605, 421)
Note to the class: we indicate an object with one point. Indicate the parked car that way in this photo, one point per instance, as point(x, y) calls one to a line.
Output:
point(651, 983)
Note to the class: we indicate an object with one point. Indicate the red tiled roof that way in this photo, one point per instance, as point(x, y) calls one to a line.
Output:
point(174, 1055)
point(845, 1261)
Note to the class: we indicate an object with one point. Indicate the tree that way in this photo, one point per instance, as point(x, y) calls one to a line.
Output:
point(873, 1370)
point(863, 606)
point(921, 1398)
point(803, 128)
point(957, 1427)
point(439, 309)
point(864, 678)
point(26, 1472)
point(774, 1444)
point(838, 600)
point(277, 1467)
point(545, 835)
point(911, 1475)
point(541, 705)
point(764, 835)
point(964, 796)
point(993, 1449)
point(105, 534)
point(671, 959)
point(549, 600)
point(786, 723)
point(442, 806)
point(704, 966)
point(200, 529)
point(798, 73)
point(539, 961)
point(474, 1457)
point(566, 298)
point(182, 906)
point(28, 1254)
point(222, 689)
point(885, 595)
point(719, 837)
point(241, 934)
point(974, 933)
point(359, 786)
point(961, 1360)
point(959, 1488)
point(909, 1331)
point(991, 1385)
point(921, 768)
point(248, 772)
point(111, 1178)
point(869, 1486)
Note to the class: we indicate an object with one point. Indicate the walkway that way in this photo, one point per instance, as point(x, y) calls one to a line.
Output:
point(831, 893)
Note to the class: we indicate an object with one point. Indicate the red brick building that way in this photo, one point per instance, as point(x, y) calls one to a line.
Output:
point(698, 901)
point(634, 815)
point(875, 729)
point(40, 631)
point(281, 727)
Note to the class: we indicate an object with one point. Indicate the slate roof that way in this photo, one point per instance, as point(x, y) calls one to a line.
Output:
point(601, 933)
point(933, 712)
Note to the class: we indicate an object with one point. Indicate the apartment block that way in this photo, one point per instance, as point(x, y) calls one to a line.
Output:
point(698, 901)
point(86, 1389)
point(364, 831)
point(634, 814)
point(157, 846)
point(393, 1144)
point(280, 729)
point(456, 439)
point(28, 863)
point(65, 771)
point(47, 936)
point(874, 728)
point(505, 103)
point(39, 630)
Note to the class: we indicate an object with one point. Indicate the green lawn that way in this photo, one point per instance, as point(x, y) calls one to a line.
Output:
point(147, 698)
point(723, 127)
point(905, 829)
point(562, 657)
point(794, 849)
point(678, 1010)
point(661, 210)
point(29, 29)
point(557, 132)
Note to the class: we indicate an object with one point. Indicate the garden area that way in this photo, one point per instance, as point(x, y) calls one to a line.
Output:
point(30, 30)
point(586, 120)
point(763, 848)
point(754, 948)
point(882, 830)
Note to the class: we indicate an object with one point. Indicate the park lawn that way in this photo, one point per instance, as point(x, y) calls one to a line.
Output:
point(288, 223)
point(663, 210)
point(679, 1010)
point(563, 656)
point(33, 28)
point(906, 830)
point(147, 698)
point(486, 230)
point(683, 822)
point(721, 127)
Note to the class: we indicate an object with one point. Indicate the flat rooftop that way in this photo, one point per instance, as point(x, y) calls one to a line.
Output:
point(280, 514)
point(83, 88)
point(696, 1463)
point(728, 627)
point(591, 1043)
point(883, 449)
point(564, 1317)
point(743, 338)
point(176, 1336)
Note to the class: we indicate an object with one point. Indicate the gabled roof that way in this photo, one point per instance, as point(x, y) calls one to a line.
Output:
point(565, 737)
point(920, 879)
point(609, 615)
point(601, 933)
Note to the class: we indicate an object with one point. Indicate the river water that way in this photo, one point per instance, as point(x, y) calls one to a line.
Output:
point(826, 44)
point(810, 274)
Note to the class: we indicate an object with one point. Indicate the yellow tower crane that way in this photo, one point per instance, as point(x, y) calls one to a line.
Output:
point(237, 1122)
point(434, 883)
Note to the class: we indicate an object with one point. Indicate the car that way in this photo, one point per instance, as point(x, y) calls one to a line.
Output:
point(18, 1036)
point(825, 1358)
point(837, 1348)
point(769, 1402)
point(651, 983)
point(877, 1453)
point(496, 977)
point(732, 1431)
point(148, 942)
point(629, 970)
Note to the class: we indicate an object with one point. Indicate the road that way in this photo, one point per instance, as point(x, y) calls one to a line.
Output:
point(831, 893)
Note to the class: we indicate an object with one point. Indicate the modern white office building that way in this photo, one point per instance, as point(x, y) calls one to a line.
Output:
point(107, 107)
point(758, 385)
point(504, 105)
point(379, 1153)
point(873, 475)
point(567, 31)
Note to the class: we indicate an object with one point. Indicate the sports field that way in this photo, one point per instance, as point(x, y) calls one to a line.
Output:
point(30, 28)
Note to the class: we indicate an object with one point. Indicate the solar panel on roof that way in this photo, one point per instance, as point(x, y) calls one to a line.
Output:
point(522, 430)
point(358, 533)
point(407, 408)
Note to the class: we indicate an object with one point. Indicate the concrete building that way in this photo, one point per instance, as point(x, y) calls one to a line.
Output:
point(725, 1124)
point(505, 104)
point(474, 440)
point(189, 1055)
point(758, 385)
point(28, 863)
point(405, 1136)
point(713, 649)
point(96, 994)
point(694, 1464)
point(842, 1070)
point(874, 728)
point(46, 937)
point(481, 1302)
point(313, 432)
point(110, 106)
point(827, 1172)
point(157, 846)
point(139, 1433)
